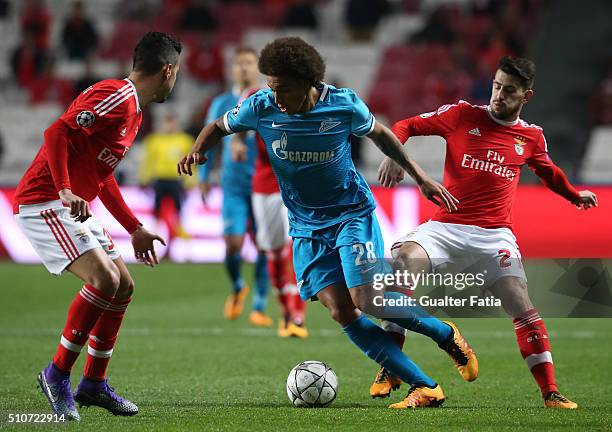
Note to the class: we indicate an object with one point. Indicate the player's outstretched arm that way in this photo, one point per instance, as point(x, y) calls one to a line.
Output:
point(390, 145)
point(142, 239)
point(210, 136)
point(555, 179)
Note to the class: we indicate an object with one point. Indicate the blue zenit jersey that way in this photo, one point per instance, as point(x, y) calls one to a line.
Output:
point(236, 176)
point(311, 154)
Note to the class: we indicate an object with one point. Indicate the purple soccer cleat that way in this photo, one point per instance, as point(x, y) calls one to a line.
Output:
point(55, 385)
point(99, 393)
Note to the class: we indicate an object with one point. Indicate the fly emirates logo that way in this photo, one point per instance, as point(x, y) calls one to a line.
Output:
point(107, 156)
point(493, 164)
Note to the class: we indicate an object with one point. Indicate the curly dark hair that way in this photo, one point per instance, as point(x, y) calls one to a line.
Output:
point(294, 58)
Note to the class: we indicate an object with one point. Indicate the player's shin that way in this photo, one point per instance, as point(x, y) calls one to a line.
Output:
point(379, 346)
point(532, 339)
point(262, 283)
point(102, 340)
point(412, 317)
point(396, 332)
point(233, 263)
point(83, 313)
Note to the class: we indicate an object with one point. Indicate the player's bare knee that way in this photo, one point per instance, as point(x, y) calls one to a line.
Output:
point(126, 289)
point(343, 314)
point(106, 280)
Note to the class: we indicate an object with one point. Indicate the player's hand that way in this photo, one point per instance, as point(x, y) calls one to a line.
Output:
point(587, 200)
point(390, 173)
point(204, 191)
point(144, 249)
point(194, 157)
point(238, 150)
point(436, 193)
point(79, 208)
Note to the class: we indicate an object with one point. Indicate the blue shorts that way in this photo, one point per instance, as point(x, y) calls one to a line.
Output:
point(237, 212)
point(350, 253)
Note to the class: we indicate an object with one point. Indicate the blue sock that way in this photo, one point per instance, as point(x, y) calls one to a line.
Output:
point(262, 283)
point(232, 265)
point(379, 346)
point(414, 318)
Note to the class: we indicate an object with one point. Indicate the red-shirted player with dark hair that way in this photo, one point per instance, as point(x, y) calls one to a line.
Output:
point(75, 165)
point(486, 148)
point(273, 237)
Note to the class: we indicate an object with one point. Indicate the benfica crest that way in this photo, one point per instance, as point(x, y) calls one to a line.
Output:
point(519, 145)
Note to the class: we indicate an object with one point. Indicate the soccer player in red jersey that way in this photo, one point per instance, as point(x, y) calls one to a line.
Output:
point(273, 237)
point(486, 148)
point(75, 165)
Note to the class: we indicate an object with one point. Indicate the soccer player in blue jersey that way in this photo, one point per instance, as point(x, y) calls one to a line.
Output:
point(338, 246)
point(236, 178)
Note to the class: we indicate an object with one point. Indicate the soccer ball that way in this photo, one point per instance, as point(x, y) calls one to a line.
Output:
point(312, 384)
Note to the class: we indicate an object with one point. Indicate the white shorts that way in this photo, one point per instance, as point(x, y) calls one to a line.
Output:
point(57, 238)
point(456, 247)
point(271, 221)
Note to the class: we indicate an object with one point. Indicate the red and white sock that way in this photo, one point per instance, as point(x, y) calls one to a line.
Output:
point(277, 271)
point(533, 343)
point(83, 314)
point(298, 306)
point(102, 340)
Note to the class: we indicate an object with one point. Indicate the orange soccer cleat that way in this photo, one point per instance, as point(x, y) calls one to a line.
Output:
point(235, 303)
point(462, 354)
point(384, 384)
point(555, 399)
point(260, 319)
point(421, 397)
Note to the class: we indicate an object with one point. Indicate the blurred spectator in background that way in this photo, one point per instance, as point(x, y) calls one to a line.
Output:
point(446, 82)
point(363, 16)
point(205, 61)
point(301, 14)
point(437, 29)
point(79, 35)
point(197, 16)
point(602, 100)
point(136, 10)
point(35, 19)
point(49, 87)
point(88, 78)
point(5, 9)
point(493, 48)
point(480, 92)
point(27, 60)
point(158, 170)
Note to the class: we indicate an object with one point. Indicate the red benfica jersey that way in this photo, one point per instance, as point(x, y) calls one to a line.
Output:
point(101, 124)
point(264, 179)
point(484, 157)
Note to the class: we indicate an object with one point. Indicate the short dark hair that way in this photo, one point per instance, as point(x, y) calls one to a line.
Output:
point(155, 50)
point(520, 67)
point(294, 58)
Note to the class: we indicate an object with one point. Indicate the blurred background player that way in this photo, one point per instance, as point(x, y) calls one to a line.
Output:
point(75, 165)
point(486, 148)
point(273, 237)
point(158, 170)
point(236, 181)
point(338, 246)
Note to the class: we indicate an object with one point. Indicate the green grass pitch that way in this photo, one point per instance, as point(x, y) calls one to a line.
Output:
point(189, 369)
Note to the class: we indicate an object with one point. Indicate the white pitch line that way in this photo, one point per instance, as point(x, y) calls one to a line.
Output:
point(266, 332)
